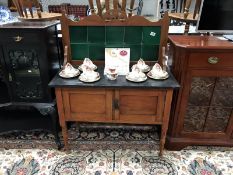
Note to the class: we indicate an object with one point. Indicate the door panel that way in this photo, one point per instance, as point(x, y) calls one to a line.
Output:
point(88, 104)
point(209, 104)
point(140, 106)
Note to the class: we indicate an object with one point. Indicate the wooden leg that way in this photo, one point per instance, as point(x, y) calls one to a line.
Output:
point(62, 117)
point(166, 115)
point(186, 28)
point(65, 136)
point(54, 117)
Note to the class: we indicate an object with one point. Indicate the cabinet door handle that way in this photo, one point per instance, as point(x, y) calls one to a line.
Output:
point(213, 60)
point(18, 38)
point(10, 77)
point(116, 104)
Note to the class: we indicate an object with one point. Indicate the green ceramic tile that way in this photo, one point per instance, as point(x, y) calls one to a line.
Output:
point(96, 34)
point(78, 34)
point(79, 51)
point(133, 35)
point(97, 52)
point(115, 34)
point(151, 35)
point(135, 51)
point(115, 45)
point(150, 52)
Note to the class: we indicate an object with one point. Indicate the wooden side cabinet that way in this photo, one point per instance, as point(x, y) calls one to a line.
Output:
point(203, 107)
point(117, 101)
point(113, 105)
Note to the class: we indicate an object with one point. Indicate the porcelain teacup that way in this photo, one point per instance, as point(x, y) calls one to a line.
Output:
point(112, 73)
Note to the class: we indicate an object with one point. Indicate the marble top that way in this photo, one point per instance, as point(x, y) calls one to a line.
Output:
point(120, 82)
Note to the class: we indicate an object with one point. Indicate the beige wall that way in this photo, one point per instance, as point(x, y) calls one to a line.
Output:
point(3, 2)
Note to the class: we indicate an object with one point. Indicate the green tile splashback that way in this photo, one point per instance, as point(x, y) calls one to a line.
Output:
point(91, 41)
point(96, 51)
point(115, 34)
point(151, 35)
point(79, 51)
point(150, 52)
point(133, 35)
point(96, 34)
point(78, 35)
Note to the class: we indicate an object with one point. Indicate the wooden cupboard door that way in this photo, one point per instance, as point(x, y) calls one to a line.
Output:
point(207, 111)
point(139, 106)
point(88, 104)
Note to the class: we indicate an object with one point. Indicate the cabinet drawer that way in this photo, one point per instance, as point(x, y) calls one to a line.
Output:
point(211, 60)
point(19, 36)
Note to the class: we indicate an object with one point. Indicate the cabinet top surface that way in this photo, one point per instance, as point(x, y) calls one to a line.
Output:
point(29, 25)
point(200, 42)
point(120, 82)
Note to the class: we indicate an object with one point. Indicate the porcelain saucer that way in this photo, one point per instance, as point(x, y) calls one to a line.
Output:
point(137, 79)
point(142, 66)
point(94, 67)
point(150, 75)
point(144, 69)
point(86, 79)
point(64, 74)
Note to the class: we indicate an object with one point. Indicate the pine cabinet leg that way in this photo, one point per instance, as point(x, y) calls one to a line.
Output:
point(65, 137)
point(166, 115)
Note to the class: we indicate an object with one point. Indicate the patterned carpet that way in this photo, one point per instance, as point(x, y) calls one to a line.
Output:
point(107, 151)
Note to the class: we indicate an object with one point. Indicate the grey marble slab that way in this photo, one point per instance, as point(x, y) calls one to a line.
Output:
point(120, 82)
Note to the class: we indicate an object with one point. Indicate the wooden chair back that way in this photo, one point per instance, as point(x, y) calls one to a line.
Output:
point(89, 37)
point(185, 7)
point(185, 15)
point(23, 5)
point(113, 9)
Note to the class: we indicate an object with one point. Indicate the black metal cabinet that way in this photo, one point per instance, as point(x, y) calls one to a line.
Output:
point(29, 57)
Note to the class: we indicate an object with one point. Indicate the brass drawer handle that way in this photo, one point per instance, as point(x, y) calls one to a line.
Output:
point(213, 60)
point(18, 38)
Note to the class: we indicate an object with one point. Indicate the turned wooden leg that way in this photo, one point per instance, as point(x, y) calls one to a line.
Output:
point(166, 114)
point(162, 142)
point(62, 117)
point(65, 136)
point(186, 28)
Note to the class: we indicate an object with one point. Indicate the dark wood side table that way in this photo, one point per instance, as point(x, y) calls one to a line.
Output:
point(203, 106)
point(118, 101)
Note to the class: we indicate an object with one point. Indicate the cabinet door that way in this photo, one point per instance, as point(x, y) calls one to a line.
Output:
point(208, 104)
point(4, 95)
point(139, 106)
point(22, 61)
point(88, 104)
